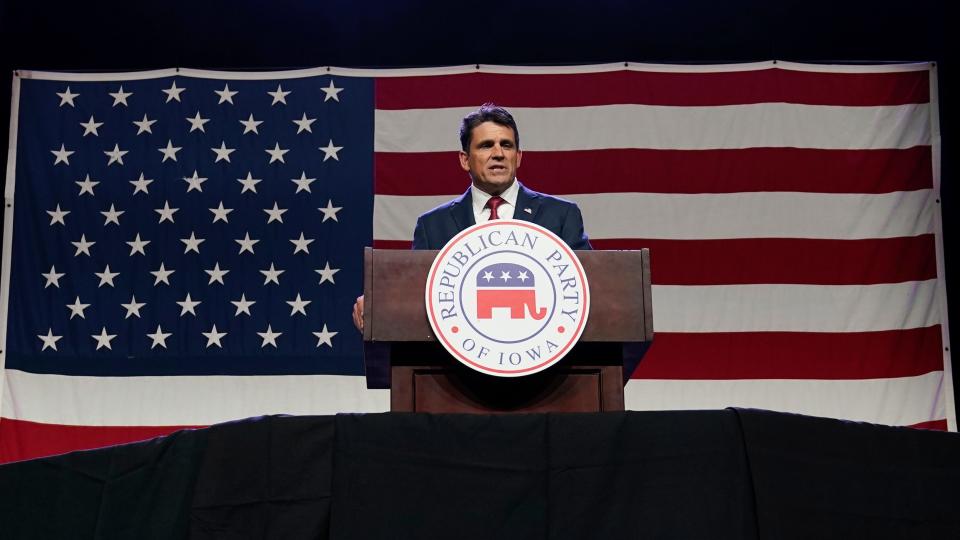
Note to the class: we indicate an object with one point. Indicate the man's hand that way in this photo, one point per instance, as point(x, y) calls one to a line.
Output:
point(358, 313)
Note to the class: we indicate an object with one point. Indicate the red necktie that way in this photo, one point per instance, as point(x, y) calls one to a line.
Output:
point(493, 203)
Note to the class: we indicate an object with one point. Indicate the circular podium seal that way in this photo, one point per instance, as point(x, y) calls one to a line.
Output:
point(507, 298)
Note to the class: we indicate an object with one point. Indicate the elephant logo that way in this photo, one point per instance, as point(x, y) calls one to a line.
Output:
point(507, 285)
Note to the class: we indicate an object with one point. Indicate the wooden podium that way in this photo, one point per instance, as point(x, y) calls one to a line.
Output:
point(401, 352)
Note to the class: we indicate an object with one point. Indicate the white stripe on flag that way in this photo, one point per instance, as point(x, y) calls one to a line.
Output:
point(671, 128)
point(795, 308)
point(172, 401)
point(712, 216)
point(897, 402)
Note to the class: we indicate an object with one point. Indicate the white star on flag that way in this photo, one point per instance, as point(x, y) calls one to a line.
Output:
point(223, 153)
point(301, 244)
point(303, 183)
point(243, 305)
point(133, 307)
point(82, 246)
point(276, 154)
point(166, 213)
point(331, 92)
point(90, 127)
point(194, 182)
point(279, 96)
point(269, 337)
point(173, 93)
point(103, 338)
point(192, 243)
point(170, 152)
point(52, 277)
point(298, 305)
point(137, 246)
point(216, 274)
point(116, 155)
point(250, 124)
point(187, 305)
point(221, 213)
point(120, 97)
point(159, 337)
point(326, 273)
point(162, 275)
point(106, 277)
point(303, 124)
point(330, 211)
point(112, 216)
point(197, 123)
point(66, 98)
point(140, 185)
point(86, 186)
point(276, 214)
point(213, 337)
point(272, 275)
point(56, 216)
point(76, 308)
point(62, 155)
point(226, 95)
point(249, 183)
point(49, 340)
point(246, 244)
point(143, 126)
point(330, 151)
point(324, 337)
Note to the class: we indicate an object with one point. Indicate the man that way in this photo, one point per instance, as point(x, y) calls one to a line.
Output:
point(490, 153)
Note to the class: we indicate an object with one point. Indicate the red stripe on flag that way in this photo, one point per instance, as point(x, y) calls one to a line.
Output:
point(394, 244)
point(785, 260)
point(654, 88)
point(775, 260)
point(793, 355)
point(937, 425)
point(20, 439)
point(675, 171)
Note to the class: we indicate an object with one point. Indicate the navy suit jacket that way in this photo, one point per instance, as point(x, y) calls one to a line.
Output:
point(436, 227)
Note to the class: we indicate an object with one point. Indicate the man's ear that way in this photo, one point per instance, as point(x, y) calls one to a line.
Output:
point(464, 161)
point(519, 157)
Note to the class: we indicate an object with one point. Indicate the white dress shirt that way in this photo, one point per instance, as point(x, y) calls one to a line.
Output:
point(505, 211)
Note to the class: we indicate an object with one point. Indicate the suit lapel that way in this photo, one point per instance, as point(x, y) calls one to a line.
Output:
point(462, 211)
point(528, 204)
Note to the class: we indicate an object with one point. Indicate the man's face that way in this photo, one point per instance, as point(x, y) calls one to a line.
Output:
point(493, 157)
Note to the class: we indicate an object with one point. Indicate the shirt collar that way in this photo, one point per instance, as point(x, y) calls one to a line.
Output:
point(480, 197)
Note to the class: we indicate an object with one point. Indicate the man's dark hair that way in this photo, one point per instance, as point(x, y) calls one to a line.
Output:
point(488, 112)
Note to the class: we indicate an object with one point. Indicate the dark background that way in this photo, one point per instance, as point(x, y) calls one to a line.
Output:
point(118, 35)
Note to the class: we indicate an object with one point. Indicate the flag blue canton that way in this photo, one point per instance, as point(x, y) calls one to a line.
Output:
point(190, 226)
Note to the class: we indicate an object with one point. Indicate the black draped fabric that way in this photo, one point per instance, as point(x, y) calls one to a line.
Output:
point(822, 478)
point(741, 474)
point(135, 491)
point(267, 477)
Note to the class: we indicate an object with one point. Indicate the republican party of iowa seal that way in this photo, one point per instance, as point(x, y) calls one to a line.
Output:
point(507, 297)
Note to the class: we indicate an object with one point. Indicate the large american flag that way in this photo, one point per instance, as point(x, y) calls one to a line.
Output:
point(183, 247)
